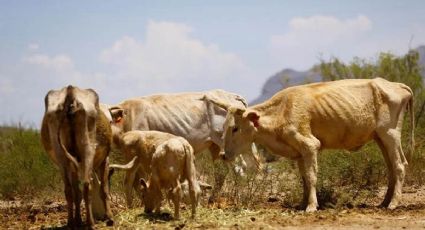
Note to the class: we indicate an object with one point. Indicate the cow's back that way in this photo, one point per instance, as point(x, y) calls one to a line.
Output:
point(184, 114)
point(341, 114)
point(169, 161)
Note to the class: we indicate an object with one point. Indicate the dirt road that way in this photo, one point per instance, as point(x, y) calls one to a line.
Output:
point(410, 215)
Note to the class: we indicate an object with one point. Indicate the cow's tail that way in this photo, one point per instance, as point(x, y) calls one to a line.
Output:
point(191, 177)
point(410, 107)
point(412, 128)
point(190, 165)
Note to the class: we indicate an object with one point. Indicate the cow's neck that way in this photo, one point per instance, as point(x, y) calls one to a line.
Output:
point(269, 132)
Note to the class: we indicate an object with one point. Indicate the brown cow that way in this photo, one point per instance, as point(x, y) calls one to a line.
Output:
point(77, 136)
point(300, 121)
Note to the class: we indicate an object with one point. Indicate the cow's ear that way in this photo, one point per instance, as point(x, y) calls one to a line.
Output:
point(143, 183)
point(239, 111)
point(117, 115)
point(253, 117)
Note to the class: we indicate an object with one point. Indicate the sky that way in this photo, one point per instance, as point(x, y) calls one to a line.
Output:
point(124, 49)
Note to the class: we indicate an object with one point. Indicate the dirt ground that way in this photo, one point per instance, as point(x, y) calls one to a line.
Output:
point(270, 215)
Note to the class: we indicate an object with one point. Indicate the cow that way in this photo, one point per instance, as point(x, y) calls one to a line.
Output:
point(187, 115)
point(77, 137)
point(140, 147)
point(172, 163)
point(299, 121)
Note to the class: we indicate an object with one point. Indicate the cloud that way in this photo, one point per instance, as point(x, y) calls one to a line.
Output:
point(24, 85)
point(309, 37)
point(33, 47)
point(6, 86)
point(61, 63)
point(169, 59)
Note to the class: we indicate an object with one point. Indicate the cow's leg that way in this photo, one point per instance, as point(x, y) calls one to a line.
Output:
point(391, 178)
point(310, 177)
point(128, 185)
point(104, 193)
point(193, 194)
point(220, 172)
point(77, 201)
point(309, 148)
point(87, 201)
point(305, 189)
point(176, 201)
point(391, 140)
point(69, 198)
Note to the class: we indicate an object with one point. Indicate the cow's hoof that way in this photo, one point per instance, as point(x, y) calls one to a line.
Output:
point(211, 200)
point(311, 209)
point(109, 222)
point(392, 206)
point(384, 204)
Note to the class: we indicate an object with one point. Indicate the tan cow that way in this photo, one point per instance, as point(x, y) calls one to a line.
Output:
point(172, 163)
point(184, 114)
point(300, 121)
point(77, 136)
point(139, 147)
point(140, 144)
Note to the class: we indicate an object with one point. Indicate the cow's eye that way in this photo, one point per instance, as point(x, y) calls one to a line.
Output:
point(235, 129)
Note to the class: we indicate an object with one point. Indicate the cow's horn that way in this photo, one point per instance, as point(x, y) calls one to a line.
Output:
point(217, 103)
point(114, 108)
point(129, 165)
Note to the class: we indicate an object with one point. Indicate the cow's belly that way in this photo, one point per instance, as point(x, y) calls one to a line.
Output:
point(198, 136)
point(344, 134)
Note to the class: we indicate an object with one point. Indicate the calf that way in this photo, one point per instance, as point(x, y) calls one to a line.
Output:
point(172, 163)
point(139, 146)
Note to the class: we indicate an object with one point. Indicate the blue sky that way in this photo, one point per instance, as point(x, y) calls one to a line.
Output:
point(124, 49)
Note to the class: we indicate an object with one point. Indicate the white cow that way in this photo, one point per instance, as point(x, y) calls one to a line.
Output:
point(299, 121)
point(187, 115)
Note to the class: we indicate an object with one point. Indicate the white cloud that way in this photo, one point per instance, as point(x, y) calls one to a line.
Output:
point(6, 86)
point(169, 59)
point(33, 47)
point(60, 63)
point(24, 84)
point(310, 37)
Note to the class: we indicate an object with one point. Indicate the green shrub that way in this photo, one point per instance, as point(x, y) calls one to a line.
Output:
point(25, 167)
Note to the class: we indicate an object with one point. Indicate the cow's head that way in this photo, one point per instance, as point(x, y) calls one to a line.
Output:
point(118, 117)
point(152, 196)
point(73, 111)
point(239, 130)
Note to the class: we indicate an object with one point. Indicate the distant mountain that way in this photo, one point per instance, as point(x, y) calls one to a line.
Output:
point(289, 77)
point(284, 79)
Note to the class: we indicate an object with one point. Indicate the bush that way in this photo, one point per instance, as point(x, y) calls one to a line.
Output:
point(25, 167)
